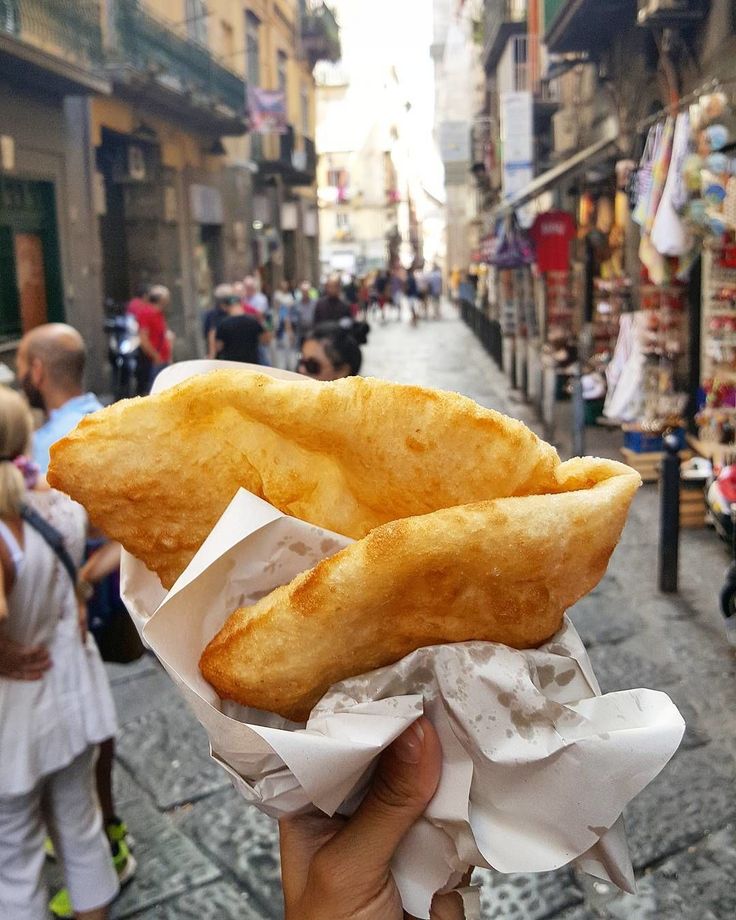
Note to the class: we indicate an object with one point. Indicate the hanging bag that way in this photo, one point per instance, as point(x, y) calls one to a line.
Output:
point(644, 174)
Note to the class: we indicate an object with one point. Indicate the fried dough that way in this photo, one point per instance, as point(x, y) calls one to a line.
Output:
point(157, 473)
point(503, 571)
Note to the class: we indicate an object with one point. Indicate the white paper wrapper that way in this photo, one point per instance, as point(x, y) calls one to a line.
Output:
point(537, 767)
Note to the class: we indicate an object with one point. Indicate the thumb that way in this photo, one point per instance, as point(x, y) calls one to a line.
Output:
point(406, 779)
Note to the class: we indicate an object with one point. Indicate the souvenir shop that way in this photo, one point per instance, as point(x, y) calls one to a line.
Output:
point(637, 290)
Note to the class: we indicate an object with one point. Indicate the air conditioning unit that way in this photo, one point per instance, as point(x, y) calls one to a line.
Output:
point(564, 130)
point(669, 12)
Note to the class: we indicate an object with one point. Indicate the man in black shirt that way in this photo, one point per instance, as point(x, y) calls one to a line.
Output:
point(237, 338)
point(331, 308)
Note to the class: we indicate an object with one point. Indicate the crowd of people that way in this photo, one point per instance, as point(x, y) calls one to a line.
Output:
point(294, 328)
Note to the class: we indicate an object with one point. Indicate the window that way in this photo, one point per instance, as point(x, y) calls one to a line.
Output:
point(306, 125)
point(282, 64)
point(253, 48)
point(334, 178)
point(196, 20)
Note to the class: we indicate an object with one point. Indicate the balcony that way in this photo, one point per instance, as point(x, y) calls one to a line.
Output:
point(53, 44)
point(150, 62)
point(587, 25)
point(279, 155)
point(320, 33)
point(503, 18)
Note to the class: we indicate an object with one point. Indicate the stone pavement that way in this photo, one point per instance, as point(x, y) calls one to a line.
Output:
point(203, 854)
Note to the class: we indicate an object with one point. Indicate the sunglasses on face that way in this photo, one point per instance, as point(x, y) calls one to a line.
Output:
point(311, 365)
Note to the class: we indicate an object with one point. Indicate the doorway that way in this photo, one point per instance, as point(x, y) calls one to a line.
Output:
point(31, 291)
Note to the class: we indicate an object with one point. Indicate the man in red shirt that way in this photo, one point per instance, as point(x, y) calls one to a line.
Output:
point(156, 338)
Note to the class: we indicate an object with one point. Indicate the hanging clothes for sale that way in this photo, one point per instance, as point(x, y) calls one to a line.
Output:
point(670, 236)
point(625, 373)
point(653, 261)
point(552, 233)
point(644, 173)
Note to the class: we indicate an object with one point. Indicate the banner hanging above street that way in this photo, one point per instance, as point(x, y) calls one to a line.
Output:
point(267, 111)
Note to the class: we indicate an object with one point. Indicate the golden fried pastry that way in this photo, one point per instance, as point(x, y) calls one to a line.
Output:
point(503, 571)
point(157, 473)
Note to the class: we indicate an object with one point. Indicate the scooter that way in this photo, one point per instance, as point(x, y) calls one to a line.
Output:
point(123, 349)
point(720, 499)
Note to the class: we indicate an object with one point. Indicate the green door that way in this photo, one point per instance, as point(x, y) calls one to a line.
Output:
point(31, 290)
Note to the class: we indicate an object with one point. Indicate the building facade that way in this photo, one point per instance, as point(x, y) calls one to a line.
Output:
point(125, 156)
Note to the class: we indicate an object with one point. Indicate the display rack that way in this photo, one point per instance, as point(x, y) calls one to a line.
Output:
point(717, 417)
point(612, 298)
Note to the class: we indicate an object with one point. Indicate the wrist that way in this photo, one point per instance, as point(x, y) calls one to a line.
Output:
point(85, 589)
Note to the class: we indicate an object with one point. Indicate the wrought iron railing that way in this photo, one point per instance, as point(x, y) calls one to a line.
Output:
point(69, 29)
point(151, 46)
point(320, 32)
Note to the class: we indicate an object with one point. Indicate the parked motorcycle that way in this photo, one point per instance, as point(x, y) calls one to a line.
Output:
point(123, 349)
point(721, 502)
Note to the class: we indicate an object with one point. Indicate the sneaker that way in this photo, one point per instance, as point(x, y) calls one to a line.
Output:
point(117, 830)
point(61, 905)
point(125, 865)
point(124, 862)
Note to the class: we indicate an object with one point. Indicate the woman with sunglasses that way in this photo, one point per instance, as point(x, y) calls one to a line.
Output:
point(330, 352)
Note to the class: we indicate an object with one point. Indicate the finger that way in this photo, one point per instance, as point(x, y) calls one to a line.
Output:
point(405, 781)
point(37, 655)
point(26, 674)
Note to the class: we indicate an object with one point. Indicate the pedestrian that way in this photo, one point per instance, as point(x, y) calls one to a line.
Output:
point(240, 335)
point(55, 700)
point(155, 335)
point(305, 304)
point(341, 869)
point(435, 290)
point(380, 288)
point(412, 295)
point(223, 297)
point(350, 294)
point(397, 286)
point(331, 308)
point(283, 306)
point(253, 297)
point(330, 352)
point(51, 362)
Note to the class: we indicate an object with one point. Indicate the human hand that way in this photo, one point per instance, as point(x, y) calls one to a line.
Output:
point(339, 869)
point(22, 662)
point(82, 617)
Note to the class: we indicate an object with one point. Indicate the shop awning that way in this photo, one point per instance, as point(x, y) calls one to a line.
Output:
point(585, 158)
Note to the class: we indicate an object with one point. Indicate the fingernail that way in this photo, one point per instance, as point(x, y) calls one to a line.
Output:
point(410, 745)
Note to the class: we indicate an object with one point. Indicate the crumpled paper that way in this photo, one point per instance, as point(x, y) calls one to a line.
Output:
point(537, 765)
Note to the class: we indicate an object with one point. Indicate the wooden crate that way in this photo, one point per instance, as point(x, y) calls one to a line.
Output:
point(692, 506)
point(647, 465)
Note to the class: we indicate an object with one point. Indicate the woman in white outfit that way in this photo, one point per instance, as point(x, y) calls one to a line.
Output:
point(49, 726)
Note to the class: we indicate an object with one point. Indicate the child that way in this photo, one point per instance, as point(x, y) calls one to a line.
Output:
point(51, 720)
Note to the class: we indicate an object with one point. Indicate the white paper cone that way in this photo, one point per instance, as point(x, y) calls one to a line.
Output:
point(537, 765)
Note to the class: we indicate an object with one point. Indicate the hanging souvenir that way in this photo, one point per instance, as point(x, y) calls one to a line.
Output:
point(669, 234)
point(644, 173)
point(660, 171)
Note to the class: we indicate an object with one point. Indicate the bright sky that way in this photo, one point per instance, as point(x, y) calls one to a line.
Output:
point(377, 35)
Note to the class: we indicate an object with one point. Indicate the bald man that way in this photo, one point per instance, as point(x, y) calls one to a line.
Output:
point(51, 360)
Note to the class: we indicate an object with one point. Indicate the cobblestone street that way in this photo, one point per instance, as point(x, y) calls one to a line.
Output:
point(202, 854)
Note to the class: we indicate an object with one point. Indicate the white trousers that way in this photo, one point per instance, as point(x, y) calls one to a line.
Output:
point(64, 803)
